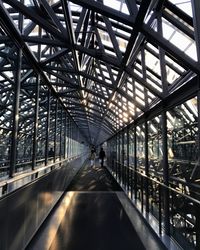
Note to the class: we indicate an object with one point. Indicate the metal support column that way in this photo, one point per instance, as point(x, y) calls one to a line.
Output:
point(196, 22)
point(144, 74)
point(61, 124)
point(165, 174)
point(127, 161)
point(69, 141)
point(135, 163)
point(13, 150)
point(115, 155)
point(65, 136)
point(72, 139)
point(36, 116)
point(146, 167)
point(162, 60)
point(48, 127)
point(35, 133)
point(68, 128)
point(119, 158)
point(122, 162)
point(55, 129)
point(198, 140)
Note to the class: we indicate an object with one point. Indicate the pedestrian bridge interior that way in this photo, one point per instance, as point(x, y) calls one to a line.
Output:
point(78, 75)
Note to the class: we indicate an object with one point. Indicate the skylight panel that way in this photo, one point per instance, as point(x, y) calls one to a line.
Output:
point(152, 62)
point(75, 7)
point(150, 95)
point(139, 93)
point(139, 86)
point(184, 5)
point(168, 30)
point(124, 9)
point(172, 62)
point(28, 2)
point(114, 4)
point(154, 85)
point(130, 93)
point(138, 73)
point(191, 50)
point(129, 86)
point(179, 39)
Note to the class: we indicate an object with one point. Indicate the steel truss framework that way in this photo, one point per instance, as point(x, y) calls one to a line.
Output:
point(103, 63)
point(157, 160)
point(82, 71)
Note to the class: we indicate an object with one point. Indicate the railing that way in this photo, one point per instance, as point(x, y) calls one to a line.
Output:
point(32, 197)
point(21, 166)
point(21, 179)
point(175, 207)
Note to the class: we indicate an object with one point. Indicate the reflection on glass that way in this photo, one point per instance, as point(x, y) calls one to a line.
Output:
point(131, 147)
point(182, 141)
point(184, 172)
point(155, 153)
point(140, 138)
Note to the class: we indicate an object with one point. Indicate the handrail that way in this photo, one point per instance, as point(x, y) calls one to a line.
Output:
point(22, 163)
point(184, 182)
point(162, 184)
point(162, 200)
point(4, 184)
point(170, 178)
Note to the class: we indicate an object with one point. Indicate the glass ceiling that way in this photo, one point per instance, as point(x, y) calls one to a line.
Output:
point(108, 61)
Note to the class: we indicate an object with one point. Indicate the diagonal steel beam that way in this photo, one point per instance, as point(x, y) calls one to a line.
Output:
point(132, 7)
point(171, 49)
point(72, 39)
point(105, 10)
point(146, 30)
point(103, 83)
point(12, 31)
point(144, 6)
point(54, 18)
point(30, 13)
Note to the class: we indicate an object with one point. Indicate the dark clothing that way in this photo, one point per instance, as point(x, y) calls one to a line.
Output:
point(51, 153)
point(102, 156)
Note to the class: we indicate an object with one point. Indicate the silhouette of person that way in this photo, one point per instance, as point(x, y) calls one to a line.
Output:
point(102, 156)
point(51, 152)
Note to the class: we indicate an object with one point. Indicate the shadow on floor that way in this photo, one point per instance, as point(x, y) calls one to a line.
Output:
point(94, 178)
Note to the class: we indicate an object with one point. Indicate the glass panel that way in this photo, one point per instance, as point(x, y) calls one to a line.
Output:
point(26, 125)
point(182, 140)
point(184, 5)
point(51, 152)
point(174, 35)
point(140, 145)
point(155, 153)
point(184, 172)
point(131, 147)
point(6, 104)
point(42, 126)
point(113, 153)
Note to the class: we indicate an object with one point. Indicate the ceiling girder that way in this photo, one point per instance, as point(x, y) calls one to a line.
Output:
point(96, 82)
point(30, 13)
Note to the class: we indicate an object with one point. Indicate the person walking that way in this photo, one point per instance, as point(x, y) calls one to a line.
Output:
point(92, 157)
point(51, 153)
point(102, 156)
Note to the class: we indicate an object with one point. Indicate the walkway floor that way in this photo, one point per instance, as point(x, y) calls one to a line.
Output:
point(94, 178)
point(90, 217)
